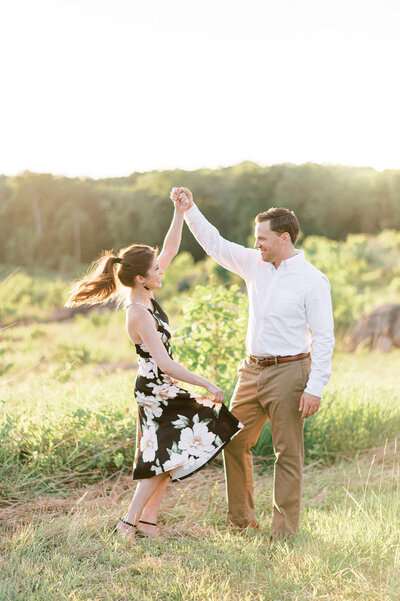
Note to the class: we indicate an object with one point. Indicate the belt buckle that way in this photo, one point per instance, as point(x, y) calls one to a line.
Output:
point(269, 361)
point(265, 361)
point(257, 360)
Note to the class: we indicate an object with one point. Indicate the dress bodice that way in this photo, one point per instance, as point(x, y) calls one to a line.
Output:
point(162, 328)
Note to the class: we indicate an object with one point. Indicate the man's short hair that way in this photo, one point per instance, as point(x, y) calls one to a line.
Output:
point(281, 220)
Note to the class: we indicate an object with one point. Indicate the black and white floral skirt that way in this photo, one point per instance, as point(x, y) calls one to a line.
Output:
point(178, 432)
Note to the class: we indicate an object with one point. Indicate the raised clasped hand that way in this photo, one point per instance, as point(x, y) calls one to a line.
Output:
point(182, 198)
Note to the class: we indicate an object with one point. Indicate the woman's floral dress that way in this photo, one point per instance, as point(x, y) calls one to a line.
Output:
point(177, 431)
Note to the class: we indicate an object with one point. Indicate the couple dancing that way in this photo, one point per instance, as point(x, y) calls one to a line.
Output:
point(179, 432)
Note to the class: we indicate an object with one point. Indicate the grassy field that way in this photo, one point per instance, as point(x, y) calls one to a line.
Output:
point(67, 442)
point(68, 414)
point(348, 549)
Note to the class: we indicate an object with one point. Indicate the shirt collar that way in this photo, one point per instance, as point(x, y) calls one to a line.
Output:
point(293, 262)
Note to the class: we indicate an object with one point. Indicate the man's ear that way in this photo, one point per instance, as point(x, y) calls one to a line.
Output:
point(285, 237)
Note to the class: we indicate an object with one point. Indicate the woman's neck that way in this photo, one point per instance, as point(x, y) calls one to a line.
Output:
point(140, 295)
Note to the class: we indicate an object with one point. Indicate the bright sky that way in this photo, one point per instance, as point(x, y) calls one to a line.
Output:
point(108, 87)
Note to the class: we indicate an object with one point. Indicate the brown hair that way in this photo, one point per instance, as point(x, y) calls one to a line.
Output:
point(101, 281)
point(281, 221)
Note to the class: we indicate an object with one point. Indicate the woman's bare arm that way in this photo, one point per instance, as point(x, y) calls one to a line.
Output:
point(173, 238)
point(142, 324)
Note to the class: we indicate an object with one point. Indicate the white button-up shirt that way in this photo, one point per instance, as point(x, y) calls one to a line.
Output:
point(290, 308)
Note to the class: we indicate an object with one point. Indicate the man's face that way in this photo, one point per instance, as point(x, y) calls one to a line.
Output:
point(267, 241)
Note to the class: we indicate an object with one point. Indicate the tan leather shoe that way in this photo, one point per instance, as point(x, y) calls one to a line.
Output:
point(254, 524)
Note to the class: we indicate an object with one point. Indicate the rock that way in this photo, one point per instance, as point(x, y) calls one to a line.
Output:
point(378, 330)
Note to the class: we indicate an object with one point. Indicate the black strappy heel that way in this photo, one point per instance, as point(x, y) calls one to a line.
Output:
point(148, 523)
point(142, 534)
point(134, 526)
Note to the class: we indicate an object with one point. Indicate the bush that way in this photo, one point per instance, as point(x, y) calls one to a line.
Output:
point(26, 297)
point(364, 272)
point(211, 340)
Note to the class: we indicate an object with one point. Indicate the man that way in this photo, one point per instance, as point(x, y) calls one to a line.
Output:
point(290, 309)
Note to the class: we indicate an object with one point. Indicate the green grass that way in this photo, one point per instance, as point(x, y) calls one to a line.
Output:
point(348, 548)
point(68, 413)
point(67, 441)
point(67, 410)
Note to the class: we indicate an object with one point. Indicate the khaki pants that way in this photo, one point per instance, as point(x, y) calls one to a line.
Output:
point(262, 393)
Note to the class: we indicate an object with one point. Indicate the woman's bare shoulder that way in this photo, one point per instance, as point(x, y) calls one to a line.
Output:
point(138, 316)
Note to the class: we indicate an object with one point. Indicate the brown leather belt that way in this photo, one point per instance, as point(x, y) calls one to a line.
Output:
point(275, 360)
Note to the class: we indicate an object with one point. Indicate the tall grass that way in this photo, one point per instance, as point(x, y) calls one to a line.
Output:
point(81, 425)
point(67, 407)
point(350, 419)
point(347, 550)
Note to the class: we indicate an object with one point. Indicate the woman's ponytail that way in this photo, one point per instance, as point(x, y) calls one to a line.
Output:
point(98, 285)
point(102, 279)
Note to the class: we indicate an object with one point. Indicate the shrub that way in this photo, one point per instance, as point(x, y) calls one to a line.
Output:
point(211, 340)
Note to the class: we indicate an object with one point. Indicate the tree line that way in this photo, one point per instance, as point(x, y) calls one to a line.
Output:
point(58, 222)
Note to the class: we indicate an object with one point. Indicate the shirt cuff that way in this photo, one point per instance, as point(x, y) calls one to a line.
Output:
point(314, 388)
point(192, 211)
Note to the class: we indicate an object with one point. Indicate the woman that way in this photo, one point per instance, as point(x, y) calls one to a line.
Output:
point(178, 432)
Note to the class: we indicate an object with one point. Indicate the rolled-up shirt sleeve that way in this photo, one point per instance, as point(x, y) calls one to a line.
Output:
point(320, 322)
point(230, 255)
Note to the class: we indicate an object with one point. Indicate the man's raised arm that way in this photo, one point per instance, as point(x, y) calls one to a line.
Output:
point(232, 256)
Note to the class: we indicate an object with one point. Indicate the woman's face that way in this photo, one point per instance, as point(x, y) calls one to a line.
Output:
point(153, 277)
